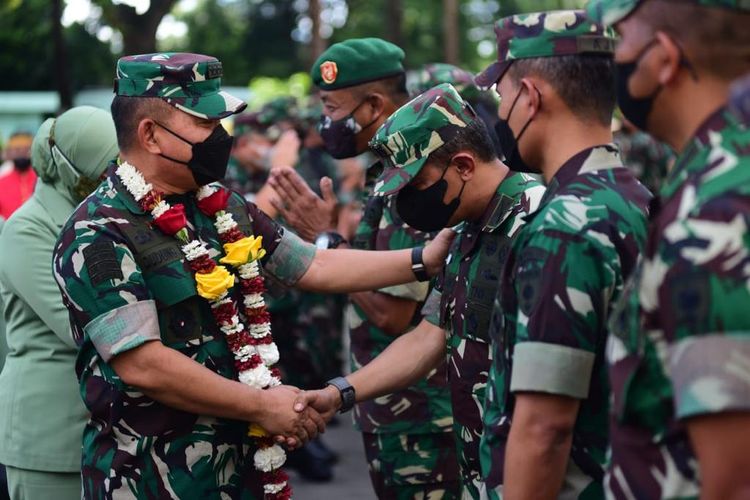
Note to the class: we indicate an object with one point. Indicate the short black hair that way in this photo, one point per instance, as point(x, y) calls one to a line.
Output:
point(715, 40)
point(585, 83)
point(474, 138)
point(127, 113)
point(394, 87)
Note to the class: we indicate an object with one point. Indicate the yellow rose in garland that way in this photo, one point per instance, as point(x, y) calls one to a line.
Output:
point(212, 285)
point(243, 251)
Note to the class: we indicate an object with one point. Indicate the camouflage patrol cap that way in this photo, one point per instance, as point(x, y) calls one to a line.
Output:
point(544, 34)
point(611, 12)
point(404, 142)
point(189, 82)
point(356, 61)
point(434, 74)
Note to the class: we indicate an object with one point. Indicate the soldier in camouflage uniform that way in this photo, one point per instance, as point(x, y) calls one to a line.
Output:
point(167, 417)
point(545, 418)
point(483, 102)
point(441, 166)
point(406, 434)
point(648, 159)
point(680, 343)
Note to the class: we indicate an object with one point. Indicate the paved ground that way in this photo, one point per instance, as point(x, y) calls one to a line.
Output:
point(351, 480)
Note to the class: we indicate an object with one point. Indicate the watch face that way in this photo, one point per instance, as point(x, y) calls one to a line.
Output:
point(322, 242)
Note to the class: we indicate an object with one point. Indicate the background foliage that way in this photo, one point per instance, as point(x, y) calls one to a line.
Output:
point(253, 38)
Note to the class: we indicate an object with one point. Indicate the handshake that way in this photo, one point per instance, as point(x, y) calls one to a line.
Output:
point(294, 416)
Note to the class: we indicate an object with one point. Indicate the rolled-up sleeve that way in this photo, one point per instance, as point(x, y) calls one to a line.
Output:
point(710, 374)
point(556, 369)
point(124, 328)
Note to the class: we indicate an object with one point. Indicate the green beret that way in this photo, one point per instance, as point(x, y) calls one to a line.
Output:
point(407, 138)
point(545, 34)
point(189, 82)
point(356, 61)
point(610, 12)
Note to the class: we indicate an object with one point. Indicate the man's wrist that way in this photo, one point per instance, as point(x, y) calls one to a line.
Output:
point(329, 240)
point(336, 394)
point(255, 403)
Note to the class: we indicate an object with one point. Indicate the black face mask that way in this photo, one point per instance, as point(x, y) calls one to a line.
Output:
point(509, 142)
point(340, 136)
point(423, 209)
point(635, 109)
point(22, 164)
point(210, 156)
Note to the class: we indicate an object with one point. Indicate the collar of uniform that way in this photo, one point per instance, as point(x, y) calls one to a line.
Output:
point(54, 202)
point(684, 166)
point(602, 157)
point(506, 194)
point(122, 193)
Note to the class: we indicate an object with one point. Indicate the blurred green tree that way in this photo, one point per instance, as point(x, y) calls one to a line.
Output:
point(27, 50)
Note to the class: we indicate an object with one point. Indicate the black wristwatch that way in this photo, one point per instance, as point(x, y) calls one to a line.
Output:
point(329, 240)
point(348, 396)
point(417, 264)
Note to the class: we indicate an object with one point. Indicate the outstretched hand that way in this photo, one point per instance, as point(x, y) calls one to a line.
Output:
point(302, 209)
point(436, 251)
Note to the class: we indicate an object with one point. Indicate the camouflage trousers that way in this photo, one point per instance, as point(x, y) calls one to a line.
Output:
point(467, 377)
point(413, 466)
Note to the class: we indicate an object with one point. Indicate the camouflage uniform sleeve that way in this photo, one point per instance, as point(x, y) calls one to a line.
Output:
point(288, 257)
point(700, 275)
point(563, 285)
point(103, 288)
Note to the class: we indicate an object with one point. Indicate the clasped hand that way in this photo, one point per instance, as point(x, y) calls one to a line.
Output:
point(294, 416)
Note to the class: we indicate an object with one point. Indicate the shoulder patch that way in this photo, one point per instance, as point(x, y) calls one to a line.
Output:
point(101, 262)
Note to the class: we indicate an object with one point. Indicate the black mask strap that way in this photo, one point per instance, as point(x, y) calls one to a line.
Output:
point(356, 108)
point(175, 134)
point(180, 138)
point(528, 122)
point(445, 170)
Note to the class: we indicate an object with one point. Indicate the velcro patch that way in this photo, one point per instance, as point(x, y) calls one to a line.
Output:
point(101, 262)
point(214, 70)
point(595, 44)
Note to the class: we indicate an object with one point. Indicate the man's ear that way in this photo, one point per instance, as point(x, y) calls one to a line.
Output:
point(465, 163)
point(375, 105)
point(533, 97)
point(669, 58)
point(146, 135)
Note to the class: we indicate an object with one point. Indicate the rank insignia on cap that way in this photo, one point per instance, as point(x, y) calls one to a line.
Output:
point(329, 71)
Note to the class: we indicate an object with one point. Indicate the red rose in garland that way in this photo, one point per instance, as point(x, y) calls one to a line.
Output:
point(215, 202)
point(171, 221)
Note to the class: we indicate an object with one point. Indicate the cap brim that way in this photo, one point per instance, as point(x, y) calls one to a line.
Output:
point(213, 107)
point(491, 74)
point(394, 179)
point(606, 15)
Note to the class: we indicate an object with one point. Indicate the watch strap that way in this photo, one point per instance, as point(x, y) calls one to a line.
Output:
point(347, 392)
point(417, 264)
